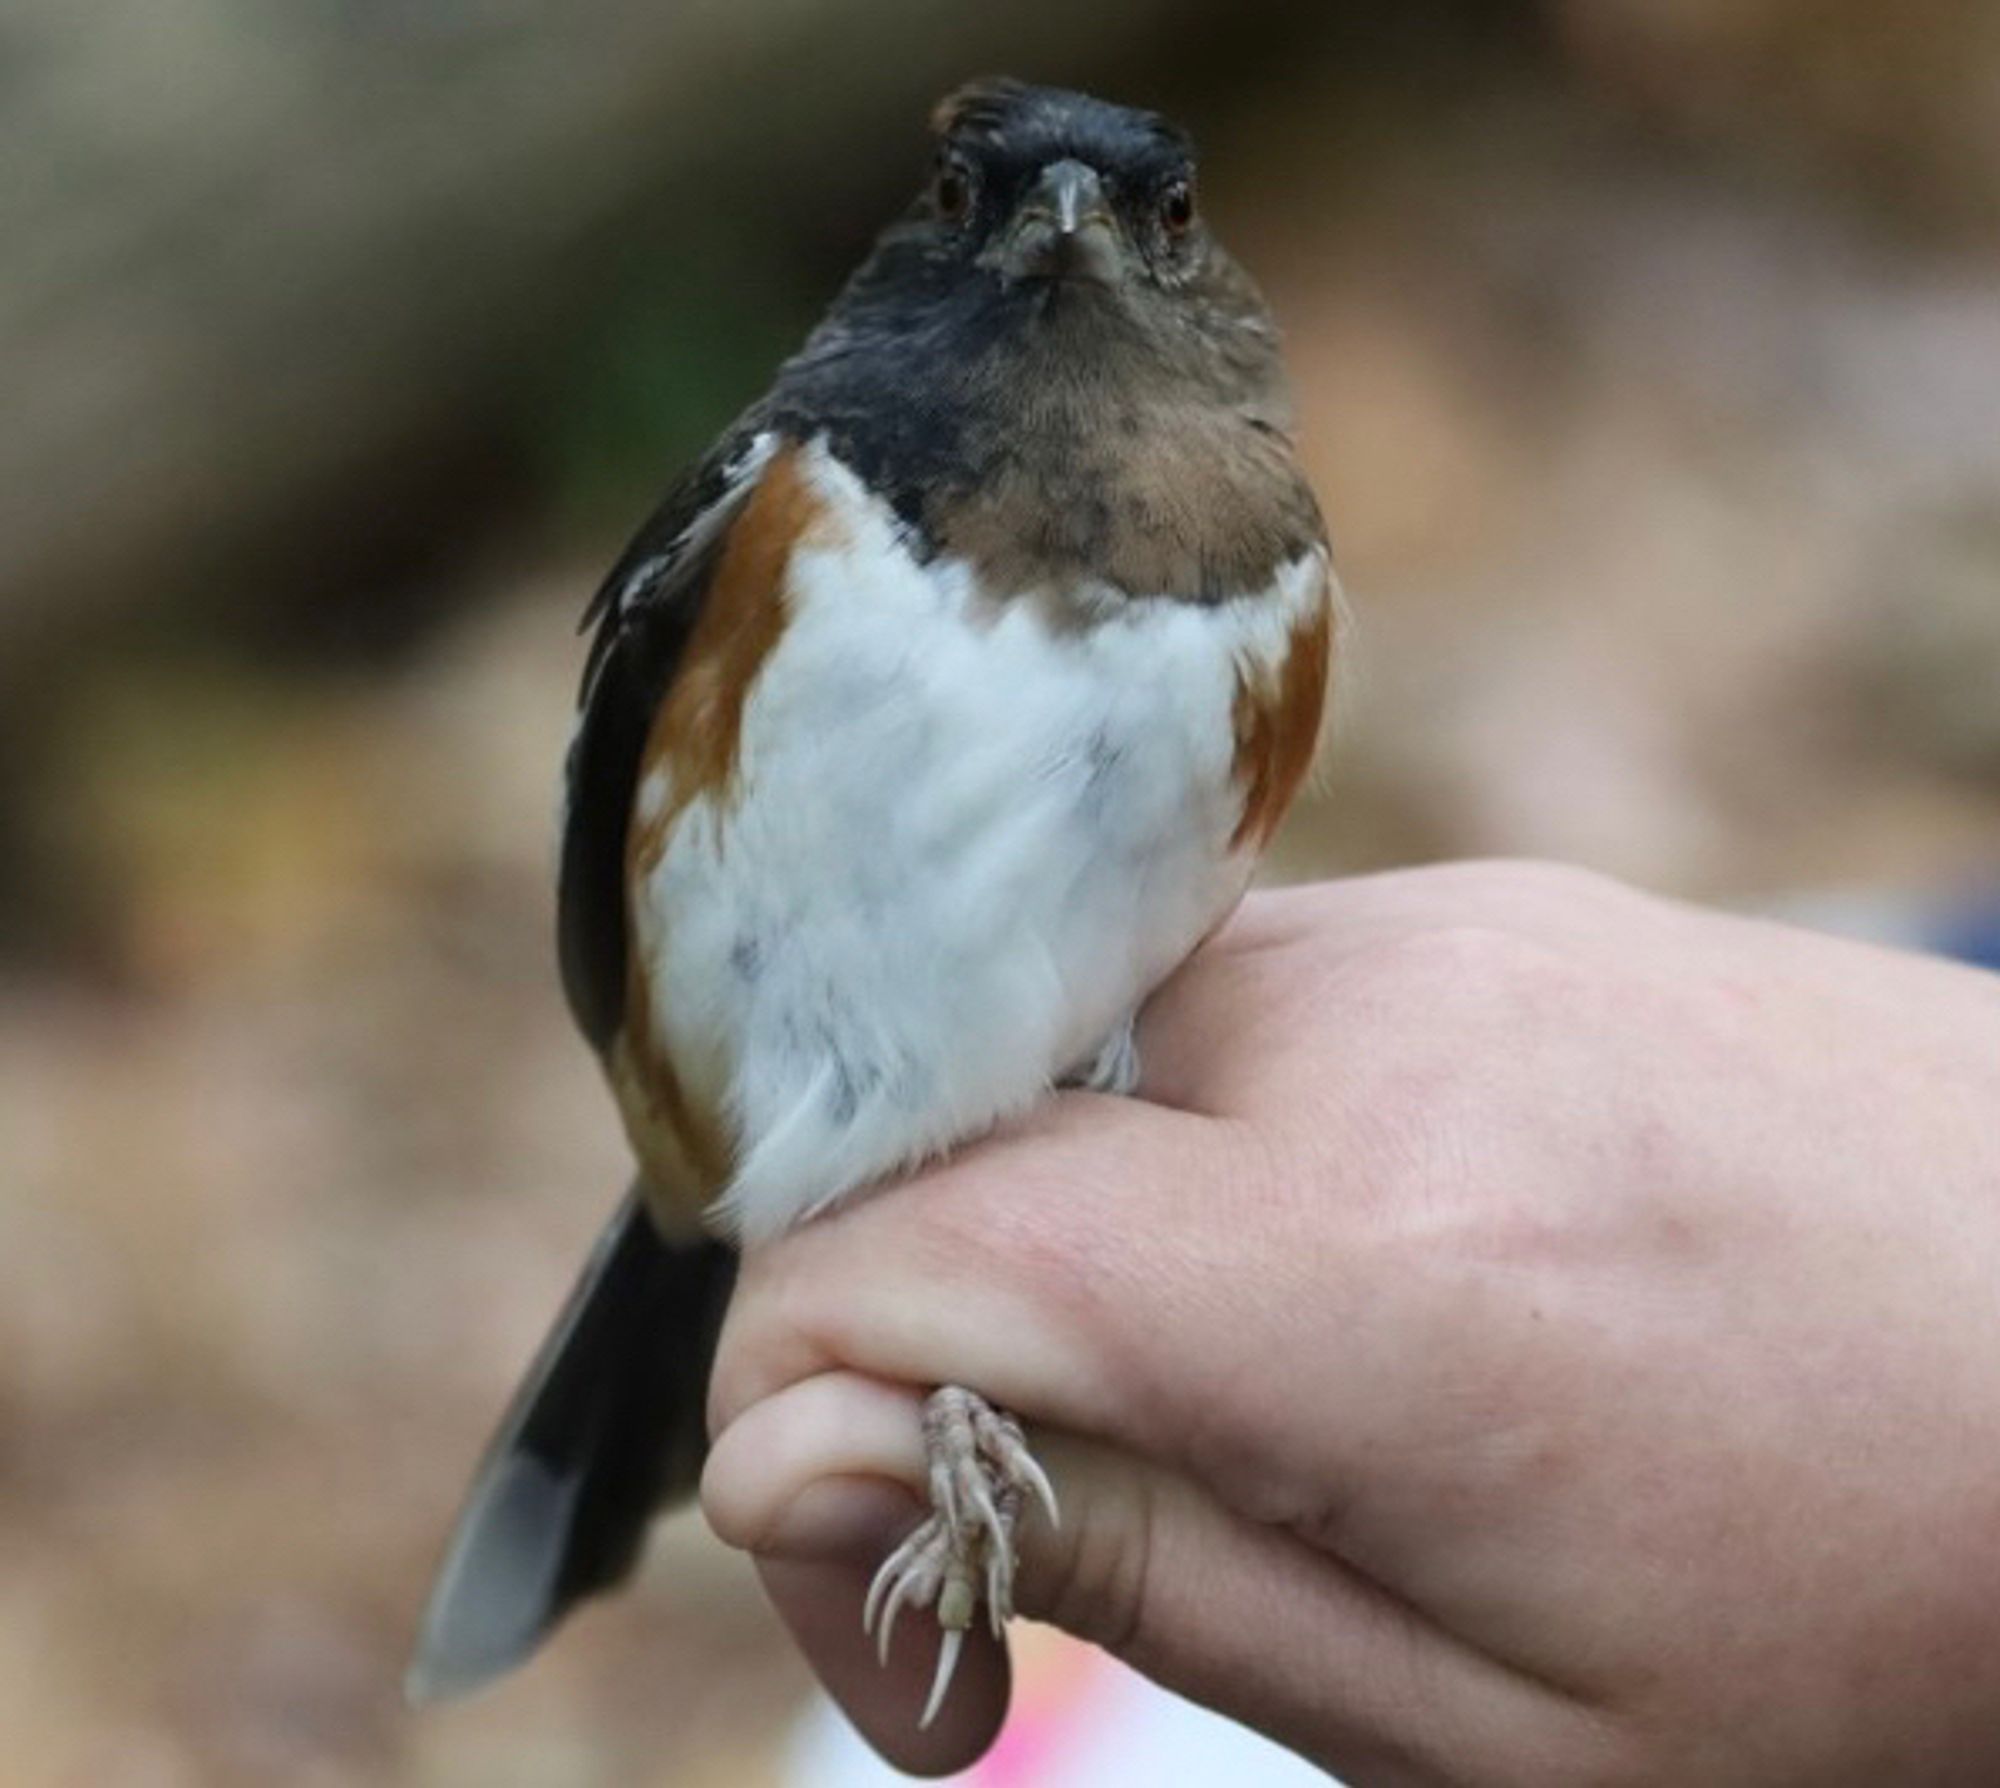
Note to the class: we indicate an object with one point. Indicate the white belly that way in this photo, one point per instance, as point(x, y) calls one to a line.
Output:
point(961, 846)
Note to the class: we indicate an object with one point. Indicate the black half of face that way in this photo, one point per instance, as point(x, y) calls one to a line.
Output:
point(1039, 185)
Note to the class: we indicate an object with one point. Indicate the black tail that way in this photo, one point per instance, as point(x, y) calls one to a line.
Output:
point(607, 1425)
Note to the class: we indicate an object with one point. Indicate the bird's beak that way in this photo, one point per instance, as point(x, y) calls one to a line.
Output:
point(1073, 193)
point(1064, 227)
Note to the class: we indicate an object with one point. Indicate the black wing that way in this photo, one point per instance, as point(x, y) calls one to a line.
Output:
point(643, 613)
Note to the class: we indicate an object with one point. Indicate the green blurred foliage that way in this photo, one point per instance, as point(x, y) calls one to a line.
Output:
point(683, 338)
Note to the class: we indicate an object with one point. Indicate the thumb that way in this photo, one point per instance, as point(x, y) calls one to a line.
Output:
point(821, 1479)
point(829, 1471)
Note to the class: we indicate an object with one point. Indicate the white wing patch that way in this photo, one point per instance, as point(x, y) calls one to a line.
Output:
point(738, 475)
point(739, 478)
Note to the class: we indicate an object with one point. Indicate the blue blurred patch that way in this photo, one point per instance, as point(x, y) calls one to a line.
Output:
point(1970, 930)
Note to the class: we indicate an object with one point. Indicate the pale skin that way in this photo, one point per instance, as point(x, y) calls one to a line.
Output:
point(1521, 1332)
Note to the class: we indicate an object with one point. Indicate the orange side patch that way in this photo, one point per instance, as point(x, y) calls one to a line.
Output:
point(681, 1153)
point(693, 744)
point(671, 1108)
point(1277, 719)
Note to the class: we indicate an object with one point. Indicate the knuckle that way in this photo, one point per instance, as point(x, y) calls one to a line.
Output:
point(731, 1381)
point(773, 1332)
point(1538, 894)
point(1461, 966)
point(1544, 878)
point(1539, 877)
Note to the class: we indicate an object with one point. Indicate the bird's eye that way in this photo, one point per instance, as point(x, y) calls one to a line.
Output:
point(1177, 208)
point(951, 190)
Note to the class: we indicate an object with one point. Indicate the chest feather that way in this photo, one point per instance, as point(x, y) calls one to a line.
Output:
point(903, 853)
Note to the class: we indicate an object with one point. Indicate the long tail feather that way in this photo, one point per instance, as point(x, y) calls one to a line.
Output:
point(607, 1426)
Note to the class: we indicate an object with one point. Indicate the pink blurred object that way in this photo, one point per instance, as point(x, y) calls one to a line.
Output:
point(1079, 1720)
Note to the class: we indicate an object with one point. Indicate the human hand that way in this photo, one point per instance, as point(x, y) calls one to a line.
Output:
point(1524, 1332)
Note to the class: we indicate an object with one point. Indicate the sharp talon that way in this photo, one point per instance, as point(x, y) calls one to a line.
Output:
point(998, 1593)
point(890, 1610)
point(1024, 1466)
point(877, 1584)
point(890, 1568)
point(947, 1666)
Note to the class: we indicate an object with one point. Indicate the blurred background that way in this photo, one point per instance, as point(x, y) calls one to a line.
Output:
point(1649, 356)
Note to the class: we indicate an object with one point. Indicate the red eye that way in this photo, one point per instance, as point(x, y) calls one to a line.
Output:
point(1177, 208)
point(951, 191)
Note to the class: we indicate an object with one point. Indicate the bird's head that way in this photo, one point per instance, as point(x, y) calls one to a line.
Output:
point(1034, 184)
point(1054, 263)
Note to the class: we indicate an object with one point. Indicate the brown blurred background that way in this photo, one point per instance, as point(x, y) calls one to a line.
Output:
point(1650, 362)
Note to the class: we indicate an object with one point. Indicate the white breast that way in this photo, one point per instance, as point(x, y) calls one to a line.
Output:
point(962, 845)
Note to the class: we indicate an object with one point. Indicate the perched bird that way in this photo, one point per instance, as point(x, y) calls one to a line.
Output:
point(934, 719)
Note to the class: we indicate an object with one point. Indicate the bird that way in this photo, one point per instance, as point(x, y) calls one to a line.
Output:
point(932, 720)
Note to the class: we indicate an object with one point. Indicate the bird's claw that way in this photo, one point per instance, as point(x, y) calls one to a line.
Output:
point(963, 1551)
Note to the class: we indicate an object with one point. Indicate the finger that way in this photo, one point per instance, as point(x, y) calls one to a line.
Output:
point(820, 1604)
point(1193, 1026)
point(821, 1484)
point(1268, 916)
point(1209, 1036)
point(1248, 1619)
point(1109, 1269)
point(924, 1309)
point(1245, 1028)
point(1218, 1034)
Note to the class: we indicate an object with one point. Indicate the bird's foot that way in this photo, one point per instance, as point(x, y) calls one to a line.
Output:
point(963, 1551)
point(1115, 1067)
